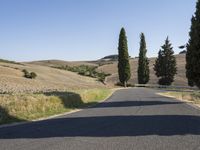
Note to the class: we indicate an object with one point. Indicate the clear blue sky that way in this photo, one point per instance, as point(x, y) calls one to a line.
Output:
point(89, 29)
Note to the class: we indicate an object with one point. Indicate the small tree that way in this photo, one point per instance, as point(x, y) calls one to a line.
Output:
point(165, 65)
point(143, 62)
point(123, 59)
point(193, 50)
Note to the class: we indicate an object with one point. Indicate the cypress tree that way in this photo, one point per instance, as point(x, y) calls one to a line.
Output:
point(123, 59)
point(193, 50)
point(143, 62)
point(165, 65)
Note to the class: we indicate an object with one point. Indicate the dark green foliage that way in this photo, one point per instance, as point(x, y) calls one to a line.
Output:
point(143, 62)
point(123, 59)
point(193, 50)
point(33, 75)
point(85, 70)
point(165, 65)
point(26, 73)
point(182, 46)
point(29, 75)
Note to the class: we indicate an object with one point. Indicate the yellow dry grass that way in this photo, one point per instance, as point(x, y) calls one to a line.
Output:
point(18, 107)
point(48, 79)
point(193, 97)
point(180, 78)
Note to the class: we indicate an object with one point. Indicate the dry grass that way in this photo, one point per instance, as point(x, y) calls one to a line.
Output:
point(193, 97)
point(58, 63)
point(18, 107)
point(180, 78)
point(48, 79)
point(111, 68)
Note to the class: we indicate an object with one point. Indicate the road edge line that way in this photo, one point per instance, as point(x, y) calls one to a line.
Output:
point(193, 105)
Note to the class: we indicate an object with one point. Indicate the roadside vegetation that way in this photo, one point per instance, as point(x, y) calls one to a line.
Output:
point(143, 62)
point(124, 70)
point(85, 70)
point(193, 96)
point(29, 75)
point(165, 65)
point(193, 50)
point(27, 107)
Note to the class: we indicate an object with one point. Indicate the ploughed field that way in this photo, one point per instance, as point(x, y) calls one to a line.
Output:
point(12, 79)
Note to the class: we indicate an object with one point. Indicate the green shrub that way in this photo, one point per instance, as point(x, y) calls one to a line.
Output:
point(29, 75)
point(85, 70)
point(33, 75)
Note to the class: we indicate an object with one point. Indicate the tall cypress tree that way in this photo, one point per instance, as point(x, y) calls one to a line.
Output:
point(123, 59)
point(193, 50)
point(143, 62)
point(165, 65)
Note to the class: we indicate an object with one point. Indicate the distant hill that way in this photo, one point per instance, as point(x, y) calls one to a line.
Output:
point(110, 57)
point(183, 52)
point(57, 63)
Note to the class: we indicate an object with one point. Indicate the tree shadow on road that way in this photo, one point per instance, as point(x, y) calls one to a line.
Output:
point(106, 126)
point(135, 103)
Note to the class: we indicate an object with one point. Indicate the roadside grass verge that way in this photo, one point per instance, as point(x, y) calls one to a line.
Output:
point(27, 107)
point(191, 96)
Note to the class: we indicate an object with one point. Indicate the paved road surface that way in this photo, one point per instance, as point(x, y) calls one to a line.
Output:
point(132, 119)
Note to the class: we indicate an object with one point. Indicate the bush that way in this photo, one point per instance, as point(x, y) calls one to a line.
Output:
point(33, 75)
point(29, 75)
point(85, 70)
point(102, 76)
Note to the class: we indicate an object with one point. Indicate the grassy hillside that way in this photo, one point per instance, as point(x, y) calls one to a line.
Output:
point(58, 63)
point(12, 79)
point(110, 67)
point(180, 78)
point(53, 91)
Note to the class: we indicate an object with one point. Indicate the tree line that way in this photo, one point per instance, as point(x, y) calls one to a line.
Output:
point(165, 66)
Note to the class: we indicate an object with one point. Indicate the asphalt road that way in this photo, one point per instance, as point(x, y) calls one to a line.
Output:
point(131, 119)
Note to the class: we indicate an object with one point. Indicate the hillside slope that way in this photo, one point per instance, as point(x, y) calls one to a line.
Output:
point(57, 63)
point(111, 68)
point(48, 79)
point(180, 78)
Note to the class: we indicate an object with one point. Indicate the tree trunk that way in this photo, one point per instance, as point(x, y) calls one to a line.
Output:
point(125, 84)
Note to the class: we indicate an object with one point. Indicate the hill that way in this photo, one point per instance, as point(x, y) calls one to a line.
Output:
point(110, 67)
point(58, 63)
point(180, 78)
point(48, 79)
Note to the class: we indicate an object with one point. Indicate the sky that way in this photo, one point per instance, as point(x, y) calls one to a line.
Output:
point(75, 30)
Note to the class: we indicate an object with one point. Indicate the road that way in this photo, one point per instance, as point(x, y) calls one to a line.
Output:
point(131, 119)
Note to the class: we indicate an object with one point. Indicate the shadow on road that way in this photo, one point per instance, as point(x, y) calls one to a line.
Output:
point(106, 126)
point(135, 103)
